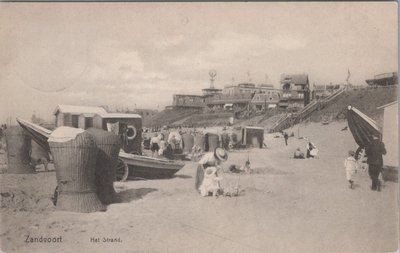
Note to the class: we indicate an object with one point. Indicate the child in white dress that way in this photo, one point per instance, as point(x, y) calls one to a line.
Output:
point(210, 183)
point(351, 166)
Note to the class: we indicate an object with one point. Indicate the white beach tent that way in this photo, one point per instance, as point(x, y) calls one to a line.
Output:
point(390, 134)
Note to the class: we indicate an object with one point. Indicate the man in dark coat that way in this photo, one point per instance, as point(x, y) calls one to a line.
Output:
point(374, 151)
point(286, 136)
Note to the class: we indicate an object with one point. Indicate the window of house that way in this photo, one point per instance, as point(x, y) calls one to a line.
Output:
point(75, 121)
point(88, 122)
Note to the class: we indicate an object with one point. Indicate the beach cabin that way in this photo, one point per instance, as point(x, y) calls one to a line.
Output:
point(253, 136)
point(128, 126)
point(76, 116)
point(390, 134)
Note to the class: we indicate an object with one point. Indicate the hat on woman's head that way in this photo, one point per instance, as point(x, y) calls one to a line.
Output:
point(221, 154)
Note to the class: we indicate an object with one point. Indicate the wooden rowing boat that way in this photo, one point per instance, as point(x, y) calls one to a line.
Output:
point(148, 167)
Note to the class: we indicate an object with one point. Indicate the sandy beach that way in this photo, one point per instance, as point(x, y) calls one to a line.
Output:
point(286, 206)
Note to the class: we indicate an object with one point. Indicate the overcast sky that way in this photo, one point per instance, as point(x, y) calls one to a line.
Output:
point(139, 54)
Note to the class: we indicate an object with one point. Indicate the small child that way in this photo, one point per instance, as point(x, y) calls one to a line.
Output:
point(246, 167)
point(210, 183)
point(351, 166)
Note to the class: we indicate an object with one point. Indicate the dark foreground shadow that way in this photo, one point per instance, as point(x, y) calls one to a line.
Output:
point(182, 176)
point(133, 194)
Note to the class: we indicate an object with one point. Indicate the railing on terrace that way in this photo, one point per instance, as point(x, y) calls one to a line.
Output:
point(280, 122)
point(295, 118)
point(333, 96)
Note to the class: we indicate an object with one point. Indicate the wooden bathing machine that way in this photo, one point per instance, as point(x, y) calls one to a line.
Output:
point(253, 136)
point(127, 126)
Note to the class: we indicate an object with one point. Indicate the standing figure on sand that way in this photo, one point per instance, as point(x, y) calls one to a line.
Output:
point(351, 166)
point(154, 145)
point(211, 159)
point(374, 151)
point(286, 136)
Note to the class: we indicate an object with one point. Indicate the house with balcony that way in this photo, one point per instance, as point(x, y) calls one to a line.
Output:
point(236, 102)
point(188, 101)
point(295, 91)
point(265, 101)
point(243, 88)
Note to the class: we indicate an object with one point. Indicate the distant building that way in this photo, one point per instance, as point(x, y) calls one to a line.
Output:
point(295, 91)
point(264, 101)
point(384, 79)
point(195, 101)
point(242, 88)
point(240, 96)
point(323, 91)
point(76, 116)
point(294, 94)
point(188, 101)
point(239, 101)
point(211, 91)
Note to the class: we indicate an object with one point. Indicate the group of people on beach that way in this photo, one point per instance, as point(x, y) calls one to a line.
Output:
point(312, 152)
point(208, 176)
point(161, 147)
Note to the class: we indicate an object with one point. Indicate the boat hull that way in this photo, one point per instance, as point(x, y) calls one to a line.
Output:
point(150, 168)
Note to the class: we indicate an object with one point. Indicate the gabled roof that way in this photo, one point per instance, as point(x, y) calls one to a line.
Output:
point(75, 109)
point(296, 79)
point(262, 98)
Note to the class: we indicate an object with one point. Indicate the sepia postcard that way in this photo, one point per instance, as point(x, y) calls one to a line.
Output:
point(152, 127)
